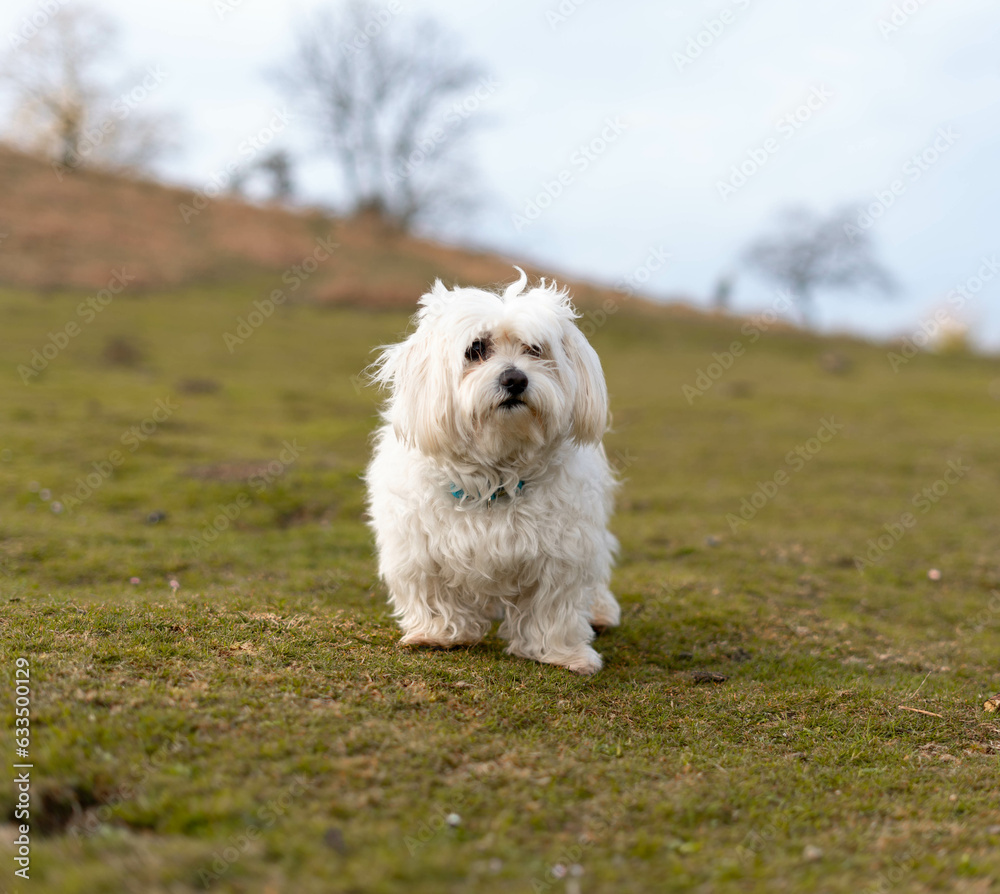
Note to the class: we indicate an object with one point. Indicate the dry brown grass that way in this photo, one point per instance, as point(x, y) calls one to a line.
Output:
point(71, 232)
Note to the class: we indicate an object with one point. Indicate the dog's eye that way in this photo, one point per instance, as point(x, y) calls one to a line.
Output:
point(478, 350)
point(533, 350)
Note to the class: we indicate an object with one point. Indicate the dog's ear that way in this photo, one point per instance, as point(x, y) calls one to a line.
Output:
point(590, 398)
point(420, 396)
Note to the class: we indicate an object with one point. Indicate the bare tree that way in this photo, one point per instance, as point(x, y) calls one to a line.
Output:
point(807, 254)
point(277, 165)
point(275, 168)
point(395, 104)
point(66, 109)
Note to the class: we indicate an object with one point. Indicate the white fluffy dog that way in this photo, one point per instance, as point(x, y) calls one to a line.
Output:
point(489, 489)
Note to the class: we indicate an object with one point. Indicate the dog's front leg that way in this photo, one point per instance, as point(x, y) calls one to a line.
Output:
point(436, 616)
point(552, 625)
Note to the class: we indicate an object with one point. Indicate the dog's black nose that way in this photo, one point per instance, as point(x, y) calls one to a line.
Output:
point(513, 381)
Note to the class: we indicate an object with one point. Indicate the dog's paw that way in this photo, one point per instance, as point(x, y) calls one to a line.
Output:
point(581, 659)
point(586, 661)
point(424, 640)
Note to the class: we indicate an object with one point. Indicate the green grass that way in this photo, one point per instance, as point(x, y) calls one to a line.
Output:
point(258, 729)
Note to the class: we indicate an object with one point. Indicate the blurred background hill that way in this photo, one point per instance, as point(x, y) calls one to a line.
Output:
point(69, 233)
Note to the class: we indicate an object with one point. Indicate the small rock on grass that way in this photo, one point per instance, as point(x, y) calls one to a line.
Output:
point(811, 853)
point(708, 677)
point(992, 704)
point(334, 839)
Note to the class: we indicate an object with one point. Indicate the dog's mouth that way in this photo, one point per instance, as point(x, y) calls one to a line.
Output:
point(512, 402)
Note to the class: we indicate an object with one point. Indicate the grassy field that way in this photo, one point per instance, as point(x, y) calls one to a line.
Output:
point(218, 700)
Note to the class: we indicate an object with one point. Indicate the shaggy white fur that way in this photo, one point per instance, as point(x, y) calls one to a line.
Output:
point(489, 490)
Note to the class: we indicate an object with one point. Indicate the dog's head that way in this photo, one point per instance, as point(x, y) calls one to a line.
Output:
point(492, 379)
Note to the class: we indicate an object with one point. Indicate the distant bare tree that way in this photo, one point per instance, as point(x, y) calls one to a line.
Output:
point(66, 109)
point(807, 254)
point(275, 168)
point(394, 103)
point(722, 293)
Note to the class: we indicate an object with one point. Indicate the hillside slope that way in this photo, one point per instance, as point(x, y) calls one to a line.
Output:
point(72, 230)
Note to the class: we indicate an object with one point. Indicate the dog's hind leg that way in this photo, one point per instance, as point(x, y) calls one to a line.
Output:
point(604, 610)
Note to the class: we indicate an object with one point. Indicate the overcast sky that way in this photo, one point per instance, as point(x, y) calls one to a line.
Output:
point(681, 91)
